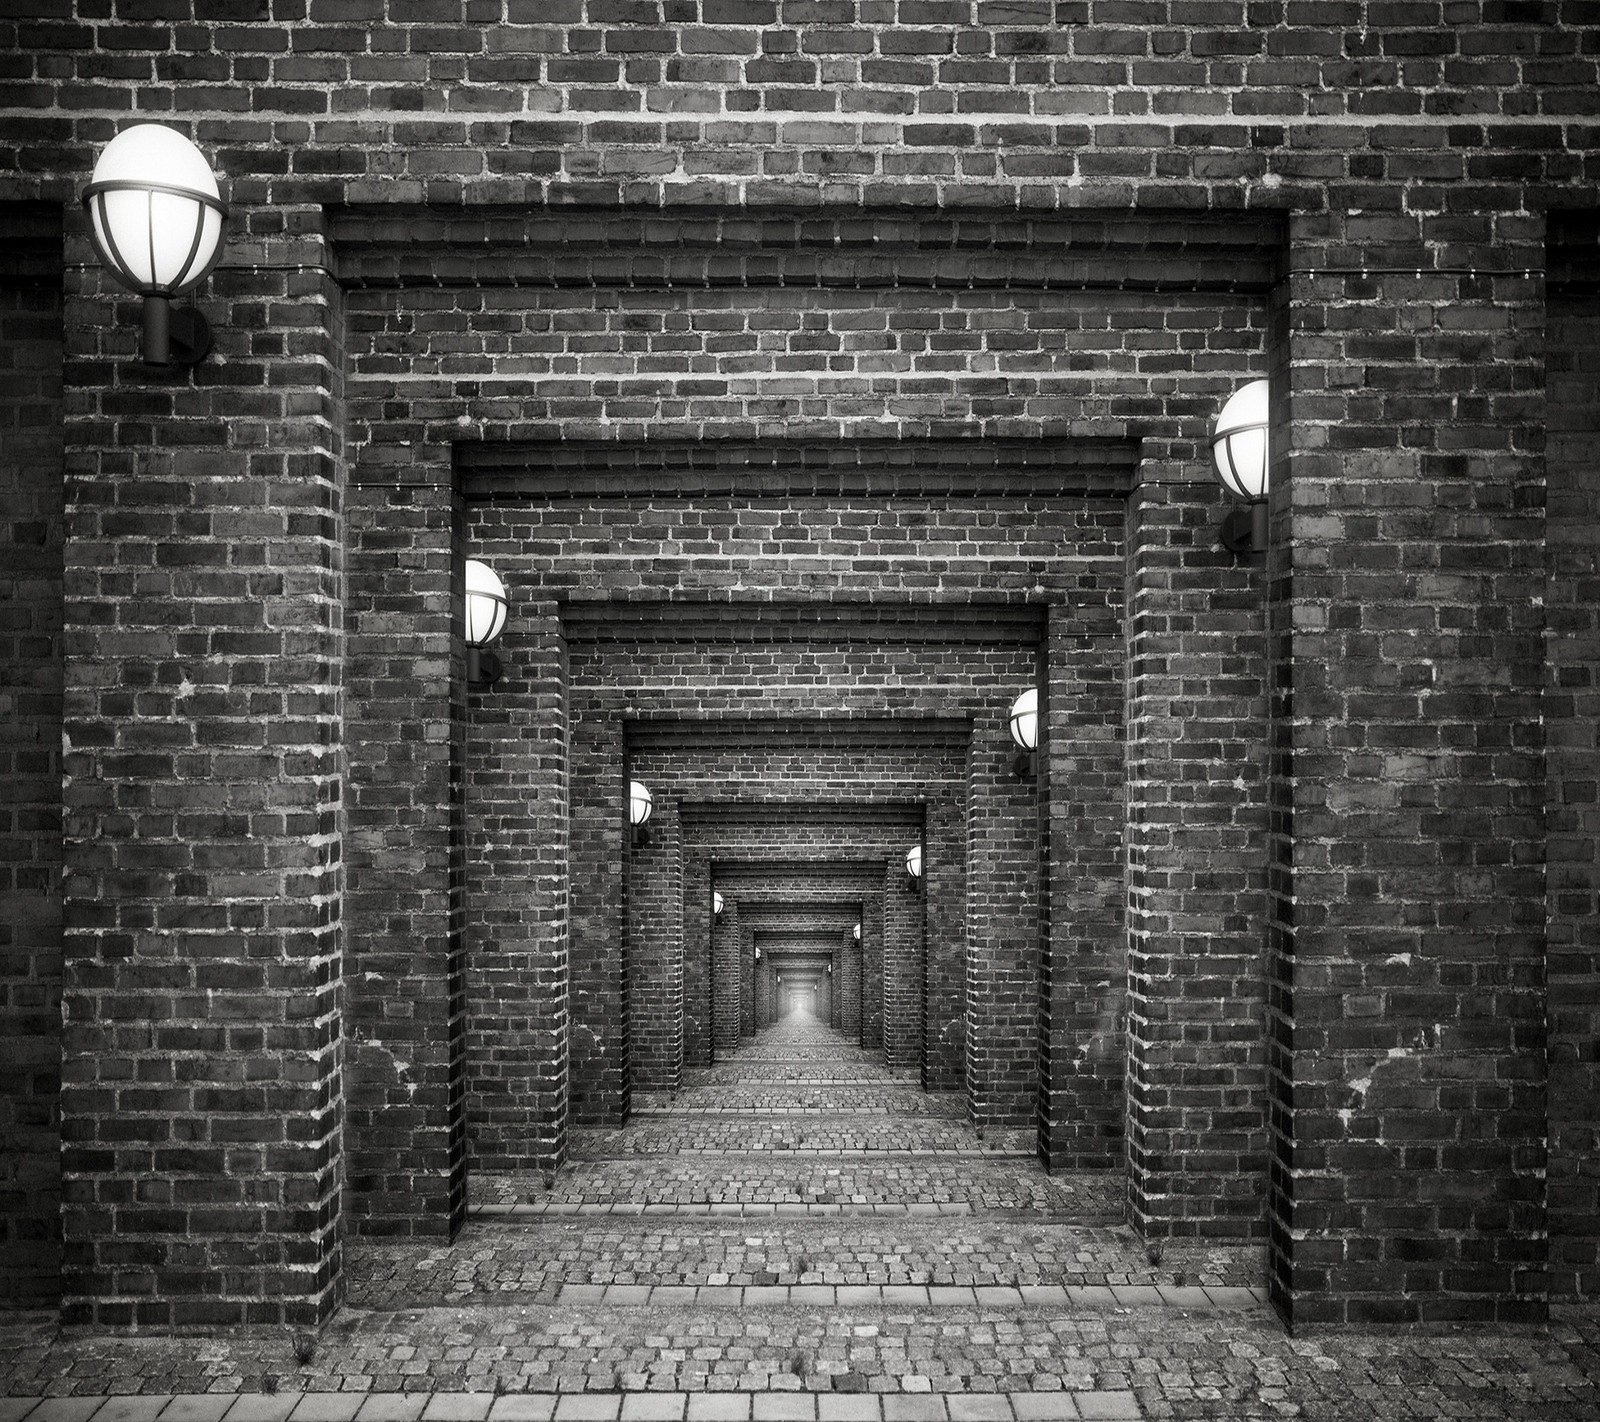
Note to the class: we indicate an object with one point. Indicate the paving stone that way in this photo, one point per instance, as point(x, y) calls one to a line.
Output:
point(255, 1407)
point(338, 1407)
point(1050, 1407)
point(653, 1407)
point(458, 1407)
point(391, 1407)
point(145, 1409)
point(978, 1409)
point(1107, 1405)
point(847, 1409)
point(531, 1407)
point(718, 1408)
point(779, 1408)
point(67, 1409)
point(14, 1409)
point(193, 1408)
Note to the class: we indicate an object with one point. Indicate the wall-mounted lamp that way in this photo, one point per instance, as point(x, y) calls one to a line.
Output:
point(716, 905)
point(758, 953)
point(914, 863)
point(640, 804)
point(487, 606)
point(1239, 448)
point(155, 218)
point(830, 970)
point(1025, 732)
point(856, 933)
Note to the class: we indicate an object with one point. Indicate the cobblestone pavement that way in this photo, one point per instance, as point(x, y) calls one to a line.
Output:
point(658, 1278)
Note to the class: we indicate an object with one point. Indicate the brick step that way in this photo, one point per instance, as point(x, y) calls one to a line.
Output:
point(767, 1181)
point(845, 1261)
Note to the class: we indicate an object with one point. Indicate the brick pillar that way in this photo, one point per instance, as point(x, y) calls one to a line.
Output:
point(1196, 768)
point(1084, 975)
point(763, 972)
point(1002, 928)
point(850, 985)
point(726, 973)
point(601, 1092)
point(518, 900)
point(943, 1005)
point(902, 967)
point(1572, 721)
point(747, 978)
point(876, 913)
point(693, 952)
point(30, 756)
point(656, 928)
point(201, 1087)
point(1407, 567)
point(405, 954)
point(840, 957)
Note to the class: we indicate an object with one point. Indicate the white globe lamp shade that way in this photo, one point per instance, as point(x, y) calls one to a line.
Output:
point(154, 211)
point(640, 803)
point(1239, 443)
point(857, 933)
point(1025, 720)
point(716, 905)
point(486, 604)
point(914, 861)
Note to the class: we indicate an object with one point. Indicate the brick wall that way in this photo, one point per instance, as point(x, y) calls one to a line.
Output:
point(1572, 720)
point(1000, 302)
point(30, 754)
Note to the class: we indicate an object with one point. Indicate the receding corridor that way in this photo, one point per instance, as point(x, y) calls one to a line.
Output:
point(797, 1220)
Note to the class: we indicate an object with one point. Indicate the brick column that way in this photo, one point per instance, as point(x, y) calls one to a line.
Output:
point(1572, 720)
point(657, 924)
point(1408, 1006)
point(201, 1085)
point(518, 898)
point(902, 967)
point(1196, 768)
point(693, 956)
point(1084, 975)
point(30, 755)
point(726, 974)
point(405, 953)
point(1002, 928)
point(763, 971)
point(875, 916)
point(600, 1070)
point(747, 977)
point(943, 1006)
point(850, 986)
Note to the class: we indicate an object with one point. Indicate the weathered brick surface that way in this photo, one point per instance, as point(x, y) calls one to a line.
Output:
point(30, 754)
point(1572, 722)
point(1196, 781)
point(1083, 968)
point(1408, 1010)
point(202, 1048)
point(405, 955)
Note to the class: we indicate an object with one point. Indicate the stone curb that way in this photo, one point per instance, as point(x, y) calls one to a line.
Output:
point(1098, 1406)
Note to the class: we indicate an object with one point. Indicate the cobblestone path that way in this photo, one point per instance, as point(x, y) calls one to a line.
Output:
point(800, 1234)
